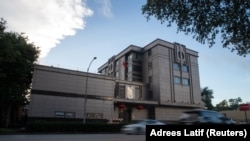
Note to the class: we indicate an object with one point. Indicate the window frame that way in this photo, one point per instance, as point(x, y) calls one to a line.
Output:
point(150, 65)
point(176, 66)
point(177, 78)
point(186, 68)
point(149, 52)
point(184, 80)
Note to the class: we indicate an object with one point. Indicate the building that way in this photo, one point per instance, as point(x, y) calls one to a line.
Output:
point(158, 81)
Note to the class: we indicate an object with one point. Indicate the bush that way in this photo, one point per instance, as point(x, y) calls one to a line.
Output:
point(72, 127)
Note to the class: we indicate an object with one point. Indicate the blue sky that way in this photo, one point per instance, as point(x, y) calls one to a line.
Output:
point(71, 32)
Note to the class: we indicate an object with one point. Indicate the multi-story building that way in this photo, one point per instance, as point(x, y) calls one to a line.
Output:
point(158, 81)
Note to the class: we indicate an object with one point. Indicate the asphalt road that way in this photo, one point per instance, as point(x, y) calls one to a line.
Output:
point(73, 137)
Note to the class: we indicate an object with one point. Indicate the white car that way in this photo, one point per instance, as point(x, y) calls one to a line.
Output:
point(201, 116)
point(230, 121)
point(139, 127)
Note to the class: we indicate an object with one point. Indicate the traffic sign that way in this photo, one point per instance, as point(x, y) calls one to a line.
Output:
point(244, 107)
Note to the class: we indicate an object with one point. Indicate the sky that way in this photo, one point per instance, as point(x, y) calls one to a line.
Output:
point(70, 33)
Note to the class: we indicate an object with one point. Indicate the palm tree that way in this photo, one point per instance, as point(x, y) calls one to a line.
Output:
point(207, 95)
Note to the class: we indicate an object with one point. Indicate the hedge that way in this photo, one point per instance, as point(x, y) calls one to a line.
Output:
point(72, 127)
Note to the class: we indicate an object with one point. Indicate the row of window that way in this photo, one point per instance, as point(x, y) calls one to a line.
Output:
point(94, 115)
point(183, 81)
point(180, 54)
point(135, 55)
point(72, 115)
point(177, 80)
point(176, 66)
point(131, 56)
point(64, 114)
point(134, 68)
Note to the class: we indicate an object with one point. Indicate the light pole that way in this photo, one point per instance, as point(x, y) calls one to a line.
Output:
point(85, 95)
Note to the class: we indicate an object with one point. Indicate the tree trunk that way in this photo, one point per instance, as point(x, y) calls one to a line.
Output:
point(5, 116)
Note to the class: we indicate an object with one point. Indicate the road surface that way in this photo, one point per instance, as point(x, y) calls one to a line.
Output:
point(73, 137)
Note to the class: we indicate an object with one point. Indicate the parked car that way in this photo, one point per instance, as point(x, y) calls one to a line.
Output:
point(201, 116)
point(140, 126)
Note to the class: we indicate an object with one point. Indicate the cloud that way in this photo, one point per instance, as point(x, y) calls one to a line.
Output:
point(45, 22)
point(105, 8)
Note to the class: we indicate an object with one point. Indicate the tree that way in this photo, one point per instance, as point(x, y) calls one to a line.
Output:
point(231, 104)
point(206, 19)
point(234, 103)
point(17, 59)
point(207, 96)
point(223, 105)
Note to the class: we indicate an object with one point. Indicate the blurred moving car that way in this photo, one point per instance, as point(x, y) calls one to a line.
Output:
point(140, 126)
point(201, 116)
point(230, 121)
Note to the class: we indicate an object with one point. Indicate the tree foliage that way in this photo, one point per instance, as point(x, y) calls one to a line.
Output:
point(17, 58)
point(230, 104)
point(223, 105)
point(234, 103)
point(206, 19)
point(207, 96)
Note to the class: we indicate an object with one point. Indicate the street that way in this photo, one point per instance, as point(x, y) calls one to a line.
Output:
point(73, 137)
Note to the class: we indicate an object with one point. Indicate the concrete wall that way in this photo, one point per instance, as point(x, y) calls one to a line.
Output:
point(168, 114)
point(60, 90)
point(239, 116)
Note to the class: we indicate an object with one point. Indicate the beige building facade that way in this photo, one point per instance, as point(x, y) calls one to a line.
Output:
point(157, 81)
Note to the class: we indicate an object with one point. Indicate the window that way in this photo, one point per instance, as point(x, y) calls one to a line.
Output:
point(130, 57)
point(59, 114)
point(121, 91)
point(184, 68)
point(185, 81)
point(94, 115)
point(137, 68)
point(129, 68)
point(150, 66)
point(69, 115)
point(138, 56)
point(135, 56)
point(176, 66)
point(177, 80)
point(149, 52)
point(117, 64)
point(65, 114)
point(117, 74)
point(150, 79)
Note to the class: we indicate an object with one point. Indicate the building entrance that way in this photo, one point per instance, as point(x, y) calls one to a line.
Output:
point(125, 114)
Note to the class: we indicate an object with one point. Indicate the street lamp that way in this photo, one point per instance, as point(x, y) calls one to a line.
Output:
point(85, 95)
